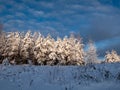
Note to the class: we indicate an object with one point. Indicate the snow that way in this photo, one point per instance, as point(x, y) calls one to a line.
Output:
point(104, 76)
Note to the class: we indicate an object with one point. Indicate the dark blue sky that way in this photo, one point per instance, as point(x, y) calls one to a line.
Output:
point(98, 20)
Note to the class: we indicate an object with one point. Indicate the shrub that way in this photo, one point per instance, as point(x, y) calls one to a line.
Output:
point(112, 57)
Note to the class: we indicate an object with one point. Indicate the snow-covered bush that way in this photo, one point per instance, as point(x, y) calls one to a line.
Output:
point(91, 54)
point(112, 57)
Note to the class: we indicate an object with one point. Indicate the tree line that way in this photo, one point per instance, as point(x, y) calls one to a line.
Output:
point(27, 48)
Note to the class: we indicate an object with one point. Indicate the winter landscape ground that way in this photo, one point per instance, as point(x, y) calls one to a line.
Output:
point(89, 77)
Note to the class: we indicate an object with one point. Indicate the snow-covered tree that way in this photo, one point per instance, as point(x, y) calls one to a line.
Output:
point(15, 47)
point(39, 57)
point(112, 57)
point(27, 44)
point(51, 52)
point(12, 46)
point(59, 48)
point(71, 51)
point(2, 46)
point(91, 54)
point(44, 50)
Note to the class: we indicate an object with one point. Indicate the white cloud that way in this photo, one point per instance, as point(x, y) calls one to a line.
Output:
point(47, 4)
point(38, 13)
point(20, 14)
point(2, 8)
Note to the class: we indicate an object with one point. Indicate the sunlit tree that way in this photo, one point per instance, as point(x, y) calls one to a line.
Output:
point(27, 44)
point(112, 57)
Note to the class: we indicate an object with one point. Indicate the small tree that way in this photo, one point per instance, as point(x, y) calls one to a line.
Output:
point(91, 54)
point(112, 57)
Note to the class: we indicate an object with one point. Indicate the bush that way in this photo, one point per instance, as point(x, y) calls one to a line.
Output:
point(112, 57)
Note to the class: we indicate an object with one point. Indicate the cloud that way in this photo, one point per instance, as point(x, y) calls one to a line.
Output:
point(108, 45)
point(93, 19)
point(106, 27)
point(2, 8)
point(20, 14)
point(36, 13)
point(47, 4)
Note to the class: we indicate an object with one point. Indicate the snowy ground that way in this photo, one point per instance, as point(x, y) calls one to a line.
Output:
point(91, 77)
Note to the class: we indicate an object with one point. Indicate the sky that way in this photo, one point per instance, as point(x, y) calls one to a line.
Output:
point(97, 20)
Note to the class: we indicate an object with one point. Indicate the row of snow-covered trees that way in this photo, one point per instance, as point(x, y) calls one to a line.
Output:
point(20, 48)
